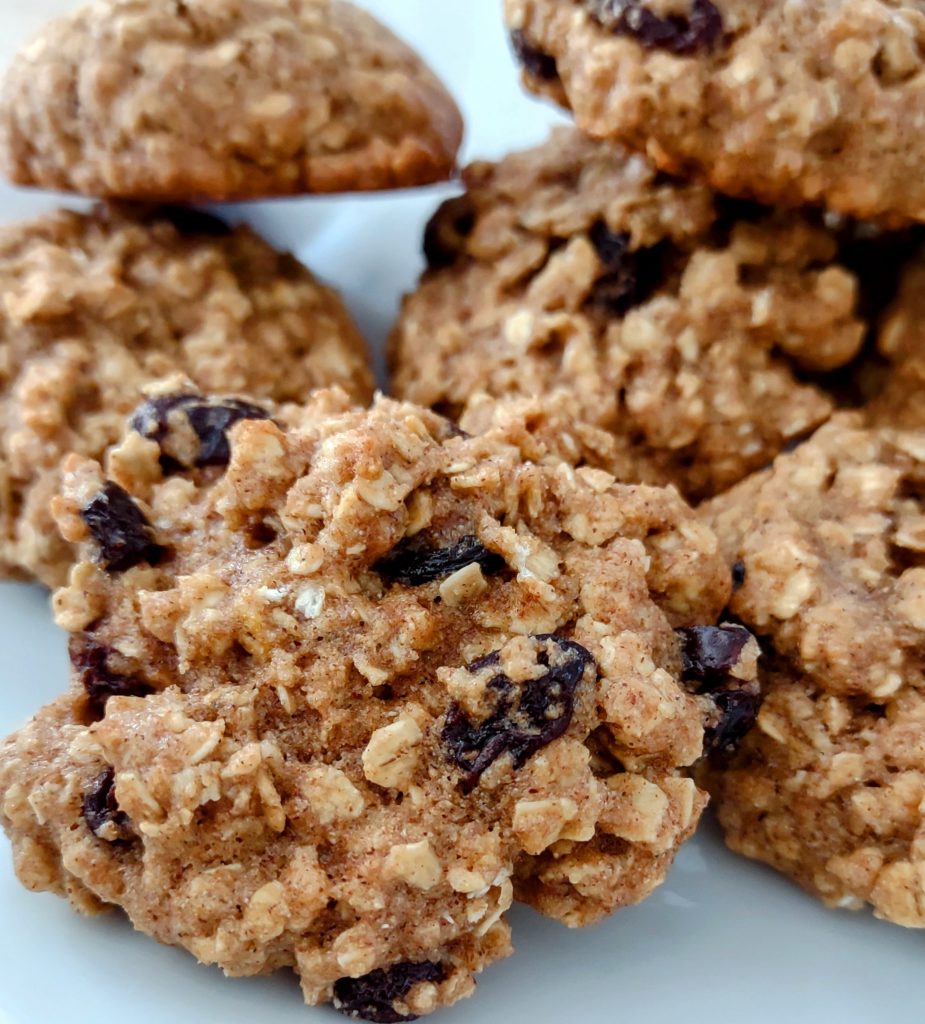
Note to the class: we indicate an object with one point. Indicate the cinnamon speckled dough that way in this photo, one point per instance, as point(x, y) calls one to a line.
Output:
point(279, 97)
point(394, 677)
point(787, 102)
point(677, 321)
point(829, 786)
point(95, 307)
point(901, 339)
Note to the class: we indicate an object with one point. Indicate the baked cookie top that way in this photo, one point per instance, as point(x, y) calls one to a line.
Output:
point(677, 321)
point(98, 306)
point(279, 97)
point(793, 103)
point(828, 550)
point(337, 700)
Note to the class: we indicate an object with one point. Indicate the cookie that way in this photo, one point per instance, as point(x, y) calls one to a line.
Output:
point(336, 703)
point(790, 103)
point(829, 552)
point(97, 306)
point(681, 323)
point(279, 97)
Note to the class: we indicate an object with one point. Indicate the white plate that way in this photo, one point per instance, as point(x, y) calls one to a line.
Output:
point(724, 940)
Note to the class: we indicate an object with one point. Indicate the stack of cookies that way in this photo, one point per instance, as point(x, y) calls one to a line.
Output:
point(760, 323)
point(146, 103)
point(352, 674)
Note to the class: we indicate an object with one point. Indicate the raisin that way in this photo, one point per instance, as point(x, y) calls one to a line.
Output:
point(446, 232)
point(737, 713)
point(414, 565)
point(117, 524)
point(210, 419)
point(525, 719)
point(90, 661)
point(373, 996)
point(535, 62)
point(709, 652)
point(629, 277)
point(101, 811)
point(739, 574)
point(699, 32)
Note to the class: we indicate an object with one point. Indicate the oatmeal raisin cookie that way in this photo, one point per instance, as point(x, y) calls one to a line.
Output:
point(97, 306)
point(828, 548)
point(681, 323)
point(786, 102)
point(279, 97)
point(343, 694)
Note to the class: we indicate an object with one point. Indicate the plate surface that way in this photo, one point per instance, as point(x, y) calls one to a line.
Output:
point(722, 940)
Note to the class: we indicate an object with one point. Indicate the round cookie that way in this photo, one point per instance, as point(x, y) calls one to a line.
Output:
point(97, 306)
point(337, 702)
point(279, 97)
point(679, 322)
point(791, 103)
point(828, 548)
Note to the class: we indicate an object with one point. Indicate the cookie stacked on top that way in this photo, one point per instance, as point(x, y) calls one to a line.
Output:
point(346, 681)
point(686, 272)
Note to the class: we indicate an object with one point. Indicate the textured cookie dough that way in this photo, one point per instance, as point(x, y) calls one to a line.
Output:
point(782, 101)
point(95, 307)
point(678, 322)
point(901, 340)
point(337, 703)
point(829, 555)
point(552, 427)
point(279, 97)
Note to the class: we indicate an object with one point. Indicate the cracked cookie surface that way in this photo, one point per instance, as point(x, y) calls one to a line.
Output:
point(98, 306)
point(829, 547)
point(381, 679)
point(280, 97)
point(677, 322)
point(793, 103)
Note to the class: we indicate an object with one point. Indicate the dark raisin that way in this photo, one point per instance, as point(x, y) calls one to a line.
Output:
point(708, 653)
point(414, 565)
point(526, 717)
point(630, 276)
point(373, 996)
point(101, 812)
point(446, 232)
point(699, 32)
point(737, 712)
point(534, 61)
point(209, 417)
point(739, 573)
point(90, 661)
point(117, 524)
